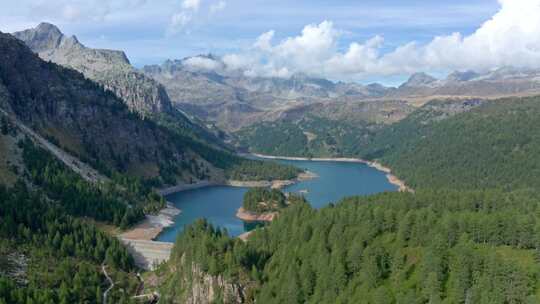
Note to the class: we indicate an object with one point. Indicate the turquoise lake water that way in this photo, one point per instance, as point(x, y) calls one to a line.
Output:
point(218, 204)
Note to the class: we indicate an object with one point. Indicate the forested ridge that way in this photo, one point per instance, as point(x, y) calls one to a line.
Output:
point(261, 200)
point(470, 233)
point(429, 247)
point(50, 248)
point(310, 137)
point(48, 256)
point(494, 145)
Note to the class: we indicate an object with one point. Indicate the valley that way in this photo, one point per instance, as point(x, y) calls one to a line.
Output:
point(251, 178)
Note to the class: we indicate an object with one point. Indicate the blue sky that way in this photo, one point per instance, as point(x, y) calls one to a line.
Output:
point(145, 31)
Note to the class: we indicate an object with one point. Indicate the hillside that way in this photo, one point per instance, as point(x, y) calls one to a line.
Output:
point(112, 70)
point(493, 145)
point(86, 120)
point(468, 234)
point(94, 125)
point(428, 247)
point(322, 129)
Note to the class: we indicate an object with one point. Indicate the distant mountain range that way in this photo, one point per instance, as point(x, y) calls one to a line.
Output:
point(205, 87)
point(211, 93)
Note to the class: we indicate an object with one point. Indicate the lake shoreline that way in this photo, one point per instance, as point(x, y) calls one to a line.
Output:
point(152, 226)
point(394, 180)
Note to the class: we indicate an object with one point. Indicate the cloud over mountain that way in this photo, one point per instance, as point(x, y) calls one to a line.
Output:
point(510, 38)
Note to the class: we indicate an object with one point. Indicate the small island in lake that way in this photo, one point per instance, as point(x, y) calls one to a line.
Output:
point(263, 204)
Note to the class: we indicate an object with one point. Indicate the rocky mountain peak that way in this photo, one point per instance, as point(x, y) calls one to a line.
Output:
point(458, 76)
point(44, 37)
point(419, 80)
point(111, 68)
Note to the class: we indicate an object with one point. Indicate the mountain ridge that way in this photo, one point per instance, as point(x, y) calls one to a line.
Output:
point(204, 86)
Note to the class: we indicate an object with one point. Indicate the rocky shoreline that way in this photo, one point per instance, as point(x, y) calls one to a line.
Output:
point(153, 225)
point(248, 216)
point(391, 177)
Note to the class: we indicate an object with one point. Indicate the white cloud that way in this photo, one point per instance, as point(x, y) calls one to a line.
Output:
point(203, 63)
point(178, 22)
point(510, 38)
point(191, 4)
point(217, 7)
point(78, 10)
point(189, 12)
point(264, 42)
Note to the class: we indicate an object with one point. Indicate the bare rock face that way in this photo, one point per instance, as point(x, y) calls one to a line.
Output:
point(206, 87)
point(110, 68)
point(419, 80)
point(187, 283)
point(206, 289)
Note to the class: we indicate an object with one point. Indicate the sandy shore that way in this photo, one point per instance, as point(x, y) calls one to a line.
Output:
point(275, 184)
point(248, 216)
point(185, 187)
point(152, 226)
point(391, 178)
point(245, 236)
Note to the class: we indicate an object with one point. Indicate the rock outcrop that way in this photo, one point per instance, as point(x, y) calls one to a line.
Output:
point(191, 285)
point(110, 68)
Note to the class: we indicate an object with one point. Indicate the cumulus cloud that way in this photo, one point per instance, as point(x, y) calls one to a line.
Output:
point(510, 38)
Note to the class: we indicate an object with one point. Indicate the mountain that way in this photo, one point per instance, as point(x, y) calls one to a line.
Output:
point(205, 87)
point(86, 120)
point(502, 82)
point(110, 68)
point(419, 80)
point(113, 71)
point(94, 125)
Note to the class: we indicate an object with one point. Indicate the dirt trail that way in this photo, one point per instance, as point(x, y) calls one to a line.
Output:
point(106, 293)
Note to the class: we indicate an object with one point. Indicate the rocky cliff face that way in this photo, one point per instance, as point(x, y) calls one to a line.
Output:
point(191, 285)
point(206, 289)
point(110, 68)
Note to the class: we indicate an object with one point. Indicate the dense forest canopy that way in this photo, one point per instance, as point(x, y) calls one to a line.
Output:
point(494, 145)
point(261, 200)
point(310, 137)
point(428, 247)
point(56, 257)
point(469, 233)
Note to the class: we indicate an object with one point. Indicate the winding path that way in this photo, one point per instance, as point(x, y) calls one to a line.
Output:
point(106, 293)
